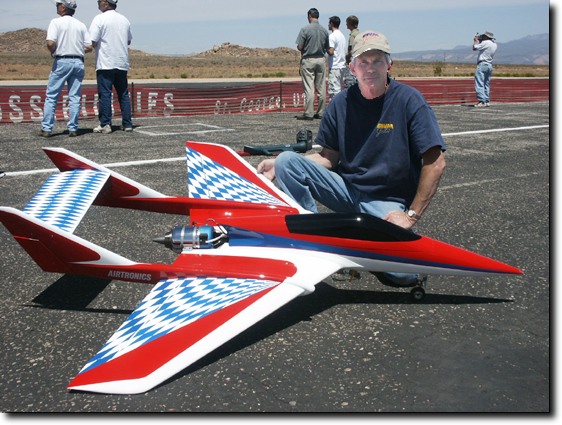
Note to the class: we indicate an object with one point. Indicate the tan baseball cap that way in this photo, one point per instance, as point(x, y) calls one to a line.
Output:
point(369, 40)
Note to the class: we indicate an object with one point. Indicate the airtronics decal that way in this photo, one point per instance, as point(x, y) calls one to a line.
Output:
point(124, 275)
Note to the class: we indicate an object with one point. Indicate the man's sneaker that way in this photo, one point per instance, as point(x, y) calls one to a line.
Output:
point(72, 133)
point(106, 129)
point(479, 105)
point(126, 128)
point(487, 104)
point(44, 133)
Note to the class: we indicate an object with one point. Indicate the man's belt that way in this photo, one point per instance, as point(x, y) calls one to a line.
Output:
point(70, 57)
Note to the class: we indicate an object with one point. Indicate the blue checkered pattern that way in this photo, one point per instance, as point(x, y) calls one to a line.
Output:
point(64, 198)
point(172, 304)
point(209, 180)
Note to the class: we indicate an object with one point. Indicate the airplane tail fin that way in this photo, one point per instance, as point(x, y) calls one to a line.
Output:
point(54, 248)
point(64, 198)
point(118, 190)
point(216, 172)
point(45, 226)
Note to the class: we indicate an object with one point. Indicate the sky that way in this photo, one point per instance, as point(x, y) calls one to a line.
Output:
point(186, 27)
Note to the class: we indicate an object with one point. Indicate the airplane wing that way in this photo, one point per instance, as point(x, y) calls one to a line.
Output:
point(180, 321)
point(183, 319)
point(217, 172)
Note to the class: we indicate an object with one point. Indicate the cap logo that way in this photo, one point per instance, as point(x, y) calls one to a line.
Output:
point(370, 34)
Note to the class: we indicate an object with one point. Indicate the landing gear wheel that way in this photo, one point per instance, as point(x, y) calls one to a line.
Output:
point(418, 293)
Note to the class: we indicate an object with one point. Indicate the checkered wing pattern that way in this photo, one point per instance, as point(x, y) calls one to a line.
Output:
point(171, 305)
point(211, 180)
point(64, 198)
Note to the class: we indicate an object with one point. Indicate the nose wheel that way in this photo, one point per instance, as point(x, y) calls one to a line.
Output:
point(418, 293)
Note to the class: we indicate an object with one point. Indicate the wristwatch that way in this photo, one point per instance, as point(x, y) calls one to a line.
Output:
point(413, 214)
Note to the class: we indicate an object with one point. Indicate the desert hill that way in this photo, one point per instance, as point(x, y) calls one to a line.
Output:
point(24, 41)
point(29, 40)
point(234, 50)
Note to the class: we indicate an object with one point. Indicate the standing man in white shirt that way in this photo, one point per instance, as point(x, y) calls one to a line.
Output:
point(336, 57)
point(67, 40)
point(111, 37)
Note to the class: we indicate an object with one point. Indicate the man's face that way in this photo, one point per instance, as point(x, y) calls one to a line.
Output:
point(60, 9)
point(371, 68)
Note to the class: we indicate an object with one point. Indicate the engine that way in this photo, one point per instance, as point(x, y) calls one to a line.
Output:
point(182, 238)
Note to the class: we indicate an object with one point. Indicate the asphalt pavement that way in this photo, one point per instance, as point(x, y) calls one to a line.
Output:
point(472, 345)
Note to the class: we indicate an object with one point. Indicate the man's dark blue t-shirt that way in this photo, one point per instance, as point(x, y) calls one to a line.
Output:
point(381, 141)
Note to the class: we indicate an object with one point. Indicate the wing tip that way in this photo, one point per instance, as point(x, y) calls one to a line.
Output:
point(111, 387)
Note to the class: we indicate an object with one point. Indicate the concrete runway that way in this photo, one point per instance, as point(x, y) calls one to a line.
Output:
point(472, 345)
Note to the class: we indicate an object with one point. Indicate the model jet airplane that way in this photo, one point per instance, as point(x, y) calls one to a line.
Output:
point(248, 250)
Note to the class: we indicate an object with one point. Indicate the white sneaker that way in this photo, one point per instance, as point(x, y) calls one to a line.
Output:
point(106, 129)
point(487, 104)
point(126, 128)
point(479, 105)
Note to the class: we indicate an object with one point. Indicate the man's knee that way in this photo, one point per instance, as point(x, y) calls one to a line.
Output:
point(285, 162)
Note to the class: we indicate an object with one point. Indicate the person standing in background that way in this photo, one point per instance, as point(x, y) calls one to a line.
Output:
point(352, 23)
point(486, 46)
point(111, 37)
point(312, 42)
point(67, 40)
point(336, 57)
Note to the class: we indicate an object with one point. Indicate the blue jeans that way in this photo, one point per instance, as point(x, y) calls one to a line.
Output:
point(482, 81)
point(107, 79)
point(307, 182)
point(64, 71)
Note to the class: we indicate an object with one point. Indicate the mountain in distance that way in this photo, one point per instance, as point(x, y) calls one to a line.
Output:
point(530, 50)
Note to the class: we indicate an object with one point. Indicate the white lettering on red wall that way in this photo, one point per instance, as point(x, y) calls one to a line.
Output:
point(25, 104)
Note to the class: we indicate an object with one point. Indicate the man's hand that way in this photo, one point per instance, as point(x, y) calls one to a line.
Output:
point(267, 168)
point(400, 218)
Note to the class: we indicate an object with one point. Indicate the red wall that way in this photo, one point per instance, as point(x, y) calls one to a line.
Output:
point(20, 104)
